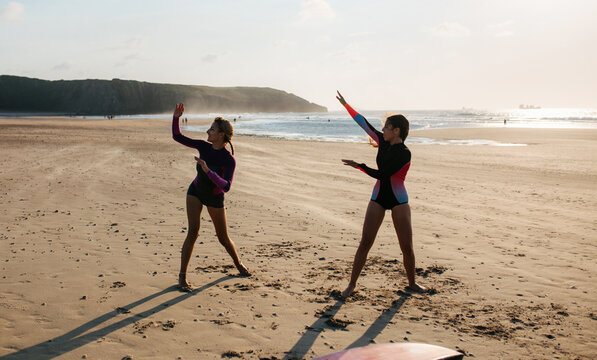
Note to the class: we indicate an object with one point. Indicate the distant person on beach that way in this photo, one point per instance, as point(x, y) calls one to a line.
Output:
point(215, 169)
point(389, 193)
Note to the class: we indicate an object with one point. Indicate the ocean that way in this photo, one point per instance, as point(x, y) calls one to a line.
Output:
point(338, 126)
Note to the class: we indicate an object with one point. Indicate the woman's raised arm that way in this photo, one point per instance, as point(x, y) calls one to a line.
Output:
point(176, 134)
point(360, 119)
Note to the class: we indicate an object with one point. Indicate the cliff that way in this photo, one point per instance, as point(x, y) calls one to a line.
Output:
point(125, 97)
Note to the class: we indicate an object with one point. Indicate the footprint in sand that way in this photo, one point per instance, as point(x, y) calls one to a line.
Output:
point(118, 284)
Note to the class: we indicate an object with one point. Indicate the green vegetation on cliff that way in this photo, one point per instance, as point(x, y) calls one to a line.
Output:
point(122, 97)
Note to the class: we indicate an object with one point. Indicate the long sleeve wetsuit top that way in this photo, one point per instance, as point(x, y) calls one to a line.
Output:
point(393, 162)
point(220, 162)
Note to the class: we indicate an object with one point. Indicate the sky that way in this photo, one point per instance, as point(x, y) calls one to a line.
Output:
point(381, 54)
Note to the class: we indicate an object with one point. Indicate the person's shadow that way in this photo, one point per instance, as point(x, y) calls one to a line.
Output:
point(74, 339)
point(300, 349)
point(380, 323)
point(302, 346)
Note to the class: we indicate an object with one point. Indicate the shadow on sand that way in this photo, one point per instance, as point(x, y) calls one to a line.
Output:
point(300, 349)
point(380, 323)
point(74, 339)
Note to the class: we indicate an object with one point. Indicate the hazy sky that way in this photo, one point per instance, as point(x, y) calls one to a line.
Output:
point(382, 54)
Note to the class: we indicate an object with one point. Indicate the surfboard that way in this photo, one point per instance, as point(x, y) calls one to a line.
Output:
point(400, 351)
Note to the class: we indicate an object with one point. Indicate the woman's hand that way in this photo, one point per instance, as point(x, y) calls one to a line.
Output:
point(340, 98)
point(202, 164)
point(351, 163)
point(178, 110)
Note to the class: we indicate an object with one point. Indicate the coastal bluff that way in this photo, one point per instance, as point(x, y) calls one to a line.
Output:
point(128, 97)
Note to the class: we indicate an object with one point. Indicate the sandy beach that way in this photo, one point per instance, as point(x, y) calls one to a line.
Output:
point(92, 220)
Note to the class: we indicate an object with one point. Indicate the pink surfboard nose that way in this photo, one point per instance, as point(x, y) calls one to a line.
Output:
point(403, 351)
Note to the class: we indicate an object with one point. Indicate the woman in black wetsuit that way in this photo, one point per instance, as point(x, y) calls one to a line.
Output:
point(215, 169)
point(389, 193)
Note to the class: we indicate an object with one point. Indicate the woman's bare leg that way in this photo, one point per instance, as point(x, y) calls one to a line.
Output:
point(218, 216)
point(402, 223)
point(194, 207)
point(373, 220)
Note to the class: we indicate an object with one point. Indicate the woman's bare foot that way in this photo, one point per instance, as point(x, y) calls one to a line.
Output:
point(183, 285)
point(242, 269)
point(417, 288)
point(348, 291)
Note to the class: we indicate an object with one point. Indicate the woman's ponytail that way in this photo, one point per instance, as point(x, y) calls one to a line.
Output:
point(226, 127)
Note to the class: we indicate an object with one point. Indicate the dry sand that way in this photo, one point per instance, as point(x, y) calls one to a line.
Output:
point(92, 219)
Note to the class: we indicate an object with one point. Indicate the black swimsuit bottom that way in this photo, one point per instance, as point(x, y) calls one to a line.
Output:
point(206, 195)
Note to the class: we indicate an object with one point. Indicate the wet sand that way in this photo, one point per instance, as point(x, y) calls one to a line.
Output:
point(93, 218)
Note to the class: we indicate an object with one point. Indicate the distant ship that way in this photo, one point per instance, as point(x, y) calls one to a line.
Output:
point(525, 107)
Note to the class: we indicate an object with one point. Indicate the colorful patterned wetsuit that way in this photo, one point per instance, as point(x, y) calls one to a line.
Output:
point(393, 162)
point(210, 187)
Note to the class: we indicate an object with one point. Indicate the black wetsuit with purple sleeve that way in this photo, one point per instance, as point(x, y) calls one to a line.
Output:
point(209, 187)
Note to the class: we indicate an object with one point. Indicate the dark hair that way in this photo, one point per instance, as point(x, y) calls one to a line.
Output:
point(399, 122)
point(226, 127)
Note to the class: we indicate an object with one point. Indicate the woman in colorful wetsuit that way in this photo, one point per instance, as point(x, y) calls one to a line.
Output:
point(215, 169)
point(389, 193)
